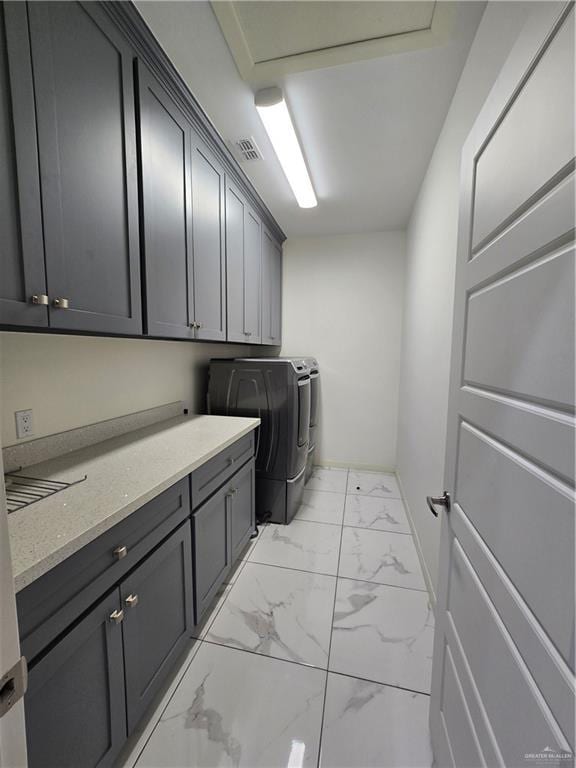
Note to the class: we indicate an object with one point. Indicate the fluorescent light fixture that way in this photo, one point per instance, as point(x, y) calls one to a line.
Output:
point(274, 114)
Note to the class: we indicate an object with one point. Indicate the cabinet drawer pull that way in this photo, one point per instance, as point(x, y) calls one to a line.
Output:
point(61, 303)
point(120, 552)
point(117, 616)
point(247, 333)
point(198, 325)
point(131, 601)
point(40, 299)
point(230, 461)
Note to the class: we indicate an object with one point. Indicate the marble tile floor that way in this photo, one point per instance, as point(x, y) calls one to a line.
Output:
point(316, 652)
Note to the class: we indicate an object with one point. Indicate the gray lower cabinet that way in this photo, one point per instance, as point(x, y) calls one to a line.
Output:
point(221, 529)
point(271, 289)
point(22, 273)
point(242, 508)
point(89, 688)
point(165, 160)
point(84, 91)
point(75, 703)
point(98, 662)
point(243, 267)
point(157, 603)
point(212, 551)
point(208, 236)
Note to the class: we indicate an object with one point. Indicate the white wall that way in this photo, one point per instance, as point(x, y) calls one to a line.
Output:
point(430, 269)
point(342, 303)
point(71, 381)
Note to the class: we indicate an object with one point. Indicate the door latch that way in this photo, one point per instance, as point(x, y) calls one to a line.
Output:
point(13, 685)
point(440, 501)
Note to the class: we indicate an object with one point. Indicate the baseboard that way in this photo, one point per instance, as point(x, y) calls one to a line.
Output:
point(425, 571)
point(352, 465)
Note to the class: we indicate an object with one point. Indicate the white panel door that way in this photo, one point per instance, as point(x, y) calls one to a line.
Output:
point(503, 673)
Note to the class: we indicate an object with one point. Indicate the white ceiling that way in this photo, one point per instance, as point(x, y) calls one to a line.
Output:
point(274, 30)
point(368, 128)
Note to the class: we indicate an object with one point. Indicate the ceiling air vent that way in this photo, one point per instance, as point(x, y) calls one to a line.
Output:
point(247, 149)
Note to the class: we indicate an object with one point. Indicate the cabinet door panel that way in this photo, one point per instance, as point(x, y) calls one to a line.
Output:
point(157, 601)
point(242, 511)
point(22, 271)
point(166, 210)
point(252, 286)
point(212, 551)
point(208, 238)
point(87, 141)
point(75, 710)
point(271, 290)
point(235, 246)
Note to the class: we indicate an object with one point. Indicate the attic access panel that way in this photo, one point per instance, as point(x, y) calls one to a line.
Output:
point(269, 39)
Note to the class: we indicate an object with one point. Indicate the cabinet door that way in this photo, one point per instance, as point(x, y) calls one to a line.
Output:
point(252, 283)
point(22, 273)
point(208, 243)
point(242, 508)
point(271, 289)
point(243, 258)
point(87, 141)
point(157, 602)
point(235, 245)
point(75, 707)
point(212, 550)
point(166, 211)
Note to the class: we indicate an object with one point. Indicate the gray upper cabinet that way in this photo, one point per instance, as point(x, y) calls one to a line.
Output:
point(22, 274)
point(117, 197)
point(243, 266)
point(83, 80)
point(208, 243)
point(165, 160)
point(271, 289)
point(252, 276)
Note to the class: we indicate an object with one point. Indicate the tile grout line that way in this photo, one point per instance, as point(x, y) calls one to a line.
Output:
point(377, 682)
point(312, 667)
point(336, 576)
point(331, 634)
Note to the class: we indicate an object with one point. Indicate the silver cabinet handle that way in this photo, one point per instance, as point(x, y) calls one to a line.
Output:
point(247, 333)
point(198, 325)
point(440, 501)
point(117, 616)
point(39, 298)
point(61, 303)
point(230, 461)
point(132, 601)
point(120, 552)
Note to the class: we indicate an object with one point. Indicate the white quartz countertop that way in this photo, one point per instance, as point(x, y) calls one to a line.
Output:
point(123, 473)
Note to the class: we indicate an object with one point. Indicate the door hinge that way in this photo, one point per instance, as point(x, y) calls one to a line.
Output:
point(13, 685)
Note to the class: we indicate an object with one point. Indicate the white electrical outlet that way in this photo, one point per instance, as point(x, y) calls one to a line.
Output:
point(24, 423)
